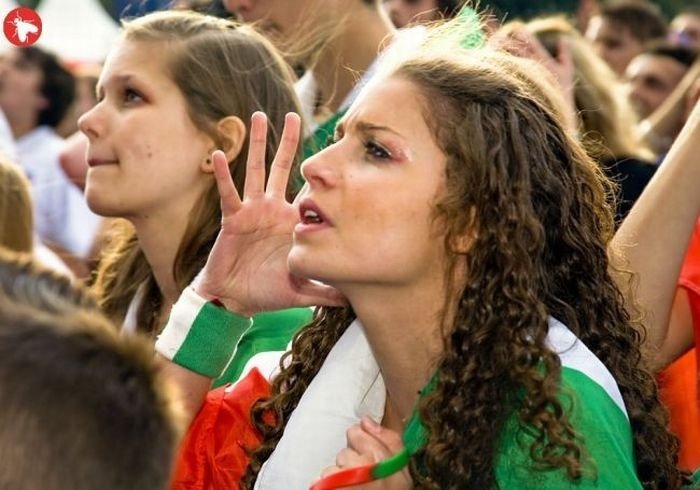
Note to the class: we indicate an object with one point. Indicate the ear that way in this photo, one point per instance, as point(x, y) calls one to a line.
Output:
point(232, 132)
point(462, 243)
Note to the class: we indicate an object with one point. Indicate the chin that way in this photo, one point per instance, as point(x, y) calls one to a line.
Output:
point(97, 205)
point(303, 264)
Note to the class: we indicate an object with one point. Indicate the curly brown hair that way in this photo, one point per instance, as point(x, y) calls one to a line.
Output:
point(541, 229)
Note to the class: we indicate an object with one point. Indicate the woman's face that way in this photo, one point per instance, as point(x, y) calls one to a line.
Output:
point(403, 12)
point(145, 154)
point(367, 213)
point(279, 18)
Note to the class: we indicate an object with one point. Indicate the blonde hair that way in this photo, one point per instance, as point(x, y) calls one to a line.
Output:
point(607, 120)
point(16, 219)
point(222, 69)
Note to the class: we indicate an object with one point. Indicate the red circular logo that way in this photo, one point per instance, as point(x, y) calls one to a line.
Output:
point(22, 26)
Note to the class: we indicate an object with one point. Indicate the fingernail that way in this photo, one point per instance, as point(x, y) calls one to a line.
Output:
point(372, 425)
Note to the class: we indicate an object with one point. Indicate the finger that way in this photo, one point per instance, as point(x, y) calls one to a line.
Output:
point(255, 166)
point(564, 55)
point(281, 165)
point(349, 458)
point(312, 293)
point(391, 440)
point(230, 200)
point(329, 470)
point(367, 445)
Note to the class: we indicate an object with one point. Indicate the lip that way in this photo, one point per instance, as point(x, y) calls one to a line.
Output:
point(308, 204)
point(99, 162)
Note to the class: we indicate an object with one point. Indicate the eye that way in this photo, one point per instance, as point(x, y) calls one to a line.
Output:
point(131, 96)
point(376, 151)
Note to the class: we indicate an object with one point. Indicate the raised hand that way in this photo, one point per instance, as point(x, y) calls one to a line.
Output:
point(247, 267)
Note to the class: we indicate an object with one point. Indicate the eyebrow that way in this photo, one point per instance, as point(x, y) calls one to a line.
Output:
point(366, 127)
point(118, 79)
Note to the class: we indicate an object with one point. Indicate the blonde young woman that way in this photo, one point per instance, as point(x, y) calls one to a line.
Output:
point(176, 86)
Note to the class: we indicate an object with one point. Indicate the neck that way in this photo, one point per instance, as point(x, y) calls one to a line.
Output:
point(160, 237)
point(403, 328)
point(363, 35)
point(22, 126)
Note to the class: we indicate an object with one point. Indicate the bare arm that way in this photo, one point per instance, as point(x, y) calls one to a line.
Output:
point(654, 237)
point(192, 387)
point(679, 336)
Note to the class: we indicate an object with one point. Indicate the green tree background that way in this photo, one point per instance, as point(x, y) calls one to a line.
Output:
point(526, 9)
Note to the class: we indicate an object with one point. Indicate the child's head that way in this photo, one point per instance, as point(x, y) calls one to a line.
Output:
point(82, 407)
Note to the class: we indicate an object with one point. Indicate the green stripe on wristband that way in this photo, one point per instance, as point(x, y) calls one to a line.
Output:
point(211, 340)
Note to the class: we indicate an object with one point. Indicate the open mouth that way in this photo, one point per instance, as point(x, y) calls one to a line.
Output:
point(311, 217)
point(310, 214)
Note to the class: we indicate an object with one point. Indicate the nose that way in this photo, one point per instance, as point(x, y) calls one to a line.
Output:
point(318, 171)
point(237, 6)
point(91, 122)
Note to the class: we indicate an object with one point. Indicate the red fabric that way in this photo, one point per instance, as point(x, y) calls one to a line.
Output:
point(213, 455)
point(690, 281)
point(679, 381)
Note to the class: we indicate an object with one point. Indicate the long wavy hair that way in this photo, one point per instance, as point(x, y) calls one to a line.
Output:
point(222, 69)
point(607, 119)
point(541, 227)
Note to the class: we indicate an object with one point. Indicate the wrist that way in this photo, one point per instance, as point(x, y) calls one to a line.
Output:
point(201, 336)
point(201, 288)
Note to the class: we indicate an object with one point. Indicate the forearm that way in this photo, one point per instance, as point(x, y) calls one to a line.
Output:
point(653, 239)
point(196, 345)
point(191, 387)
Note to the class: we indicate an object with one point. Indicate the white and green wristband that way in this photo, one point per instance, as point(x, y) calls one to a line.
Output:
point(200, 335)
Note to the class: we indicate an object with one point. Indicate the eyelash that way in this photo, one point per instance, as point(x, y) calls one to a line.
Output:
point(129, 92)
point(376, 151)
point(373, 149)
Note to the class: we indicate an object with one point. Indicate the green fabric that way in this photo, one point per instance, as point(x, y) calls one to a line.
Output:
point(321, 136)
point(202, 350)
point(270, 332)
point(607, 439)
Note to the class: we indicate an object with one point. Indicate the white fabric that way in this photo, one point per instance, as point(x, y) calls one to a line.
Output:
point(48, 258)
point(60, 211)
point(131, 323)
point(307, 89)
point(185, 309)
point(575, 355)
point(349, 386)
point(8, 149)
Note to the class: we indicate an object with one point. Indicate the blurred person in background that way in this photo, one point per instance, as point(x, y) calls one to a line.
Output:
point(685, 27)
point(653, 75)
point(621, 29)
point(405, 12)
point(36, 92)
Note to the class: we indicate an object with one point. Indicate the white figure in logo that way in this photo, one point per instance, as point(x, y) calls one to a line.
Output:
point(23, 28)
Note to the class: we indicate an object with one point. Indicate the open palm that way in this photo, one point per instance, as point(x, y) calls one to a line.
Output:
point(247, 267)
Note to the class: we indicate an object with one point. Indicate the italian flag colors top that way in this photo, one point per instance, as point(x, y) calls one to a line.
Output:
point(214, 453)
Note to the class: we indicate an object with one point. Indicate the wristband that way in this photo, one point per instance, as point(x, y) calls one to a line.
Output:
point(201, 336)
